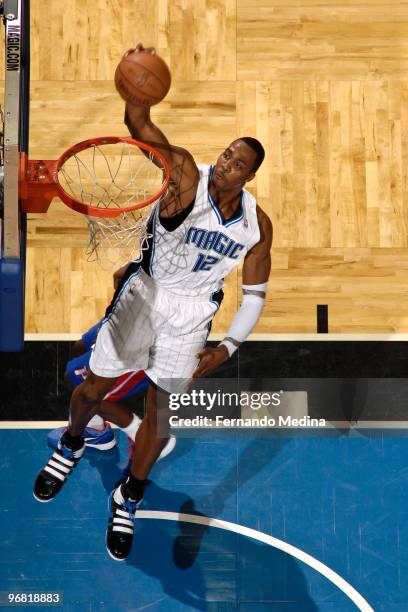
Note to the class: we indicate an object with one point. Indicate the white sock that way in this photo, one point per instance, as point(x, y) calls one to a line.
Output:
point(97, 422)
point(132, 428)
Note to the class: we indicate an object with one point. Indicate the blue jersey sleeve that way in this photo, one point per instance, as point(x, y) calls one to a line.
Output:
point(77, 369)
point(89, 337)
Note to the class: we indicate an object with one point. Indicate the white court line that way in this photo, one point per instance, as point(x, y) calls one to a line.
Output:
point(32, 424)
point(37, 424)
point(320, 567)
point(329, 426)
point(281, 337)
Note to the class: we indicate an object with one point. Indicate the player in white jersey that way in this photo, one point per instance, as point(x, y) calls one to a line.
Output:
point(193, 259)
point(205, 226)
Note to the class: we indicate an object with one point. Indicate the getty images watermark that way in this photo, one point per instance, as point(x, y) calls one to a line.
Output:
point(232, 404)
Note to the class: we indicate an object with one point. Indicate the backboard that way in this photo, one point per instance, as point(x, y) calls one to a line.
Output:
point(14, 144)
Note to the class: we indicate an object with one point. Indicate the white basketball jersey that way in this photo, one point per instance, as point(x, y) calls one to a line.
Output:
point(194, 258)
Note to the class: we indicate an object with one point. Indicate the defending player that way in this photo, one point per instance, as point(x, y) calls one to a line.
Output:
point(98, 434)
point(204, 227)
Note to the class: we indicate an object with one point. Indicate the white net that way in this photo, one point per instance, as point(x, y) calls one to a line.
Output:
point(115, 176)
point(113, 242)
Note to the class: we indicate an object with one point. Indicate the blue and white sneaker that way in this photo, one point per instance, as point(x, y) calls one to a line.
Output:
point(94, 438)
point(168, 447)
point(54, 474)
point(124, 466)
point(119, 534)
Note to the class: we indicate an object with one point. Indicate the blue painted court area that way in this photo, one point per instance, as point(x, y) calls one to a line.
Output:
point(339, 498)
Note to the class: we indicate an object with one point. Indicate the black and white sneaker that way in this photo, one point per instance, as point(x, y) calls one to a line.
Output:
point(52, 477)
point(119, 535)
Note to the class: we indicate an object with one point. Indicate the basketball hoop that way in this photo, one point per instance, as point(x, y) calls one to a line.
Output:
point(111, 180)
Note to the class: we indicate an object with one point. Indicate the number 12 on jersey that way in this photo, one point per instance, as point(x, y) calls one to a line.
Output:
point(204, 262)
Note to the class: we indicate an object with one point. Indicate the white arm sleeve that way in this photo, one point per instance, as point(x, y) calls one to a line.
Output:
point(246, 317)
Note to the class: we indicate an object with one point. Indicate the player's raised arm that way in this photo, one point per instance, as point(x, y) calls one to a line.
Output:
point(184, 172)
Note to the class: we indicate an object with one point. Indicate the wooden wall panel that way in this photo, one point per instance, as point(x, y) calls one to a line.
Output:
point(335, 172)
point(321, 83)
point(83, 40)
point(291, 39)
point(366, 290)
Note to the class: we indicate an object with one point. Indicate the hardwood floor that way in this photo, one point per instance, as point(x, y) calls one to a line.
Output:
point(321, 83)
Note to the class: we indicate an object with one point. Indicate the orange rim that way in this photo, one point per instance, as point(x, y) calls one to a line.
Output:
point(93, 211)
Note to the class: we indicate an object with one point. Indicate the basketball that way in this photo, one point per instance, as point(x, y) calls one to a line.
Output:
point(142, 78)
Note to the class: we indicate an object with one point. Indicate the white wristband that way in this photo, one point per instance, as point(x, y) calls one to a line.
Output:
point(246, 317)
point(230, 346)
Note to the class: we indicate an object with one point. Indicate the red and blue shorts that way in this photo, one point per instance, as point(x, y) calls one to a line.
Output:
point(127, 385)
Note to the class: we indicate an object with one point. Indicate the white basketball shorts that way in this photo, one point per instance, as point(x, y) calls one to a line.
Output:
point(154, 330)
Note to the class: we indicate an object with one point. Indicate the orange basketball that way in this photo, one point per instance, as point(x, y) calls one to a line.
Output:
point(142, 78)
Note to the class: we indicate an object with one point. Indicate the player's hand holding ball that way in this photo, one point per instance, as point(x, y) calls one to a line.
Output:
point(142, 78)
